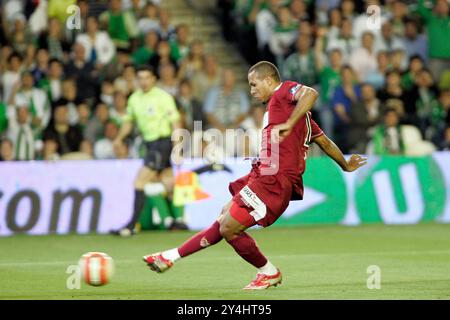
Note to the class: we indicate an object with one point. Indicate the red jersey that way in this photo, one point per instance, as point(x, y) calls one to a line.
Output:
point(289, 157)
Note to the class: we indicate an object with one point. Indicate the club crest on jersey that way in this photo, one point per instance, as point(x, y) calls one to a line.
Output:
point(294, 90)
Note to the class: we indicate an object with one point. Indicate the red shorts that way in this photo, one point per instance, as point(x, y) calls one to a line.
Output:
point(260, 199)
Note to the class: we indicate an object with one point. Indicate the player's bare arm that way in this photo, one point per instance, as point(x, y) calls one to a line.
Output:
point(305, 97)
point(333, 151)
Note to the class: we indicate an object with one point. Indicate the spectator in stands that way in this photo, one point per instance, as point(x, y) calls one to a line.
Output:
point(348, 9)
point(416, 64)
point(53, 40)
point(437, 24)
point(25, 94)
point(389, 41)
point(50, 148)
point(440, 117)
point(20, 36)
point(345, 95)
point(194, 61)
point(85, 13)
point(107, 93)
point(329, 80)
point(86, 150)
point(68, 137)
point(299, 10)
point(364, 115)
point(283, 35)
point(103, 148)
point(302, 65)
point(52, 83)
point(394, 91)
point(21, 134)
point(143, 54)
point(5, 53)
point(6, 150)
point(398, 60)
point(96, 125)
point(121, 25)
point(127, 82)
point(119, 109)
point(98, 46)
point(363, 59)
point(344, 40)
point(40, 68)
point(189, 106)
point(226, 106)
point(253, 125)
point(71, 97)
point(425, 96)
point(265, 22)
point(399, 12)
point(167, 79)
point(208, 77)
point(334, 23)
point(149, 21)
point(387, 137)
point(83, 115)
point(11, 77)
point(84, 74)
point(135, 7)
point(163, 56)
point(377, 77)
point(115, 68)
point(180, 46)
point(121, 151)
point(166, 28)
point(415, 43)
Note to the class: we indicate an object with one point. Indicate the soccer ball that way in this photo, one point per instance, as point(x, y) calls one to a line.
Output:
point(97, 268)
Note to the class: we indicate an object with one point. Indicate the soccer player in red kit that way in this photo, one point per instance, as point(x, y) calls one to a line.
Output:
point(275, 178)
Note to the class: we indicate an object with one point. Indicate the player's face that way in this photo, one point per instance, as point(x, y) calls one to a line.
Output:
point(259, 88)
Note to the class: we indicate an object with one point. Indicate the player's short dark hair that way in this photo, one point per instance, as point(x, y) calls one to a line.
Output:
point(146, 67)
point(266, 69)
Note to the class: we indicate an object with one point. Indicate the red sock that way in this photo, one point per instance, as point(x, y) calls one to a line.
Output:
point(246, 247)
point(201, 240)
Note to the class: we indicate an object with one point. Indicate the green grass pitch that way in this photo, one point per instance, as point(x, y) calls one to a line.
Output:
point(318, 262)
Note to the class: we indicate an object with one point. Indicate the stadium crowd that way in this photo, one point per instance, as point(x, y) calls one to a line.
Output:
point(384, 79)
point(64, 87)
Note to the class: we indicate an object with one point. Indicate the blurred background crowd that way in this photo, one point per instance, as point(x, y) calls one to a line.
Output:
point(64, 87)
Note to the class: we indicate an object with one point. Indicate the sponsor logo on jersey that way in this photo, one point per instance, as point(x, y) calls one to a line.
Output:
point(252, 200)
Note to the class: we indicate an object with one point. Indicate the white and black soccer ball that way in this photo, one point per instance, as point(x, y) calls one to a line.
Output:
point(97, 268)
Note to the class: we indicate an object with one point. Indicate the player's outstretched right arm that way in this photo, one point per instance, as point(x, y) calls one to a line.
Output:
point(333, 151)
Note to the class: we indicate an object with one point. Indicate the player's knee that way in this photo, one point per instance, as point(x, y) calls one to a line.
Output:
point(227, 231)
